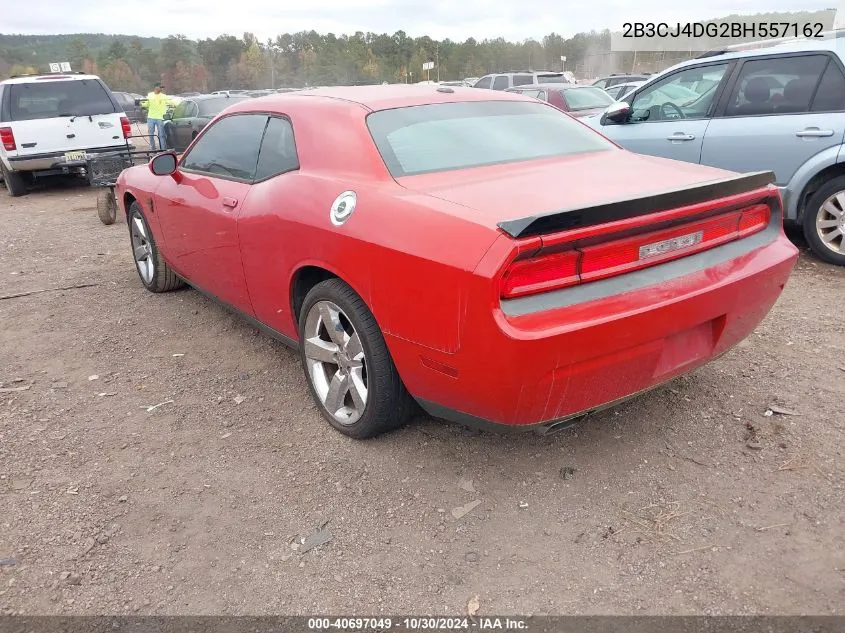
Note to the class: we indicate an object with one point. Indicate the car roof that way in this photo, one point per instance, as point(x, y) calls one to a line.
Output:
point(551, 86)
point(387, 97)
point(832, 44)
point(218, 96)
point(27, 79)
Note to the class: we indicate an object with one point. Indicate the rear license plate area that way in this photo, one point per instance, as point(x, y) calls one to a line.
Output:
point(75, 156)
point(689, 347)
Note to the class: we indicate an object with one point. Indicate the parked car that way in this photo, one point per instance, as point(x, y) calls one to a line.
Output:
point(618, 91)
point(128, 103)
point(398, 235)
point(228, 92)
point(188, 118)
point(51, 124)
point(503, 81)
point(578, 101)
point(613, 80)
point(778, 108)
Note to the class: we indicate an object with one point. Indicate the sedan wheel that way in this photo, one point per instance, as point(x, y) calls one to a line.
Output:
point(830, 223)
point(154, 272)
point(142, 249)
point(824, 221)
point(350, 372)
point(336, 362)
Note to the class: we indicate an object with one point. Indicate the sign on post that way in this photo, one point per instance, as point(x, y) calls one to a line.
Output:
point(55, 68)
point(65, 67)
point(428, 65)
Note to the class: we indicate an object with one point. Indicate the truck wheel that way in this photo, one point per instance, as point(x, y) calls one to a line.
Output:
point(15, 183)
point(106, 206)
point(824, 221)
point(348, 367)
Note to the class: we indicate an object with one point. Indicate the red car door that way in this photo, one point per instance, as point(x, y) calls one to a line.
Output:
point(198, 209)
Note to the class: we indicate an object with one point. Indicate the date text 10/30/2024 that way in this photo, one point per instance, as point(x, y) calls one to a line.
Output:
point(417, 624)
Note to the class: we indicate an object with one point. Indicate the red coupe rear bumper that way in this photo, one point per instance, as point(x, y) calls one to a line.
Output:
point(527, 366)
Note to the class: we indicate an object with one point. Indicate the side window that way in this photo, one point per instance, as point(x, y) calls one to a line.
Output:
point(830, 97)
point(191, 109)
point(523, 80)
point(179, 110)
point(228, 148)
point(278, 150)
point(687, 94)
point(500, 83)
point(601, 83)
point(776, 85)
point(484, 82)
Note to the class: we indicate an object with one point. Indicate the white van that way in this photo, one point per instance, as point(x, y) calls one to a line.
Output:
point(51, 124)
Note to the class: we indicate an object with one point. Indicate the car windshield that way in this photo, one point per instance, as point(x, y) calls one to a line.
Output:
point(48, 99)
point(450, 136)
point(586, 98)
point(213, 107)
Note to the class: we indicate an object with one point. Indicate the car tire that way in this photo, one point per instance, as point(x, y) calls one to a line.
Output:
point(355, 385)
point(823, 221)
point(14, 181)
point(154, 272)
point(106, 206)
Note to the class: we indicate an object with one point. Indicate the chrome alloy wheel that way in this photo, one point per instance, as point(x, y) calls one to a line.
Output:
point(335, 362)
point(142, 250)
point(830, 223)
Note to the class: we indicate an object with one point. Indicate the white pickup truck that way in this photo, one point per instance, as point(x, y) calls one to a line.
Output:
point(51, 124)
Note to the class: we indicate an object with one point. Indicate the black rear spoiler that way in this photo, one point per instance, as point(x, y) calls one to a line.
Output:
point(577, 217)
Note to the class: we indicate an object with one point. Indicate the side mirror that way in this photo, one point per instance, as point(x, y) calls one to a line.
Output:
point(616, 113)
point(137, 102)
point(163, 164)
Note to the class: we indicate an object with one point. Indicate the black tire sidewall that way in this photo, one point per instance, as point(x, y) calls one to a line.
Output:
point(135, 209)
point(808, 220)
point(13, 181)
point(366, 426)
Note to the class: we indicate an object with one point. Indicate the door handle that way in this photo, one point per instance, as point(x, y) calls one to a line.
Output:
point(813, 132)
point(680, 136)
point(230, 203)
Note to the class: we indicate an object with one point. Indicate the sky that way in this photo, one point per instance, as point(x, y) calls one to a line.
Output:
point(515, 20)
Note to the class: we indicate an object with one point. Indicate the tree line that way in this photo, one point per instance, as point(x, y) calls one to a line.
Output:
point(307, 58)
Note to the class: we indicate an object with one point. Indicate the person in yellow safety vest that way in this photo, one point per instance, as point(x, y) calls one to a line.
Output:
point(156, 104)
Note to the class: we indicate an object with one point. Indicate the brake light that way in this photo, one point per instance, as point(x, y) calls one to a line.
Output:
point(7, 137)
point(127, 127)
point(583, 264)
point(541, 274)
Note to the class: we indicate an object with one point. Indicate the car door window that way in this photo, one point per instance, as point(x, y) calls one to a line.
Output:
point(830, 96)
point(601, 83)
point(500, 83)
point(484, 82)
point(179, 111)
point(687, 94)
point(776, 85)
point(191, 109)
point(278, 150)
point(522, 80)
point(228, 148)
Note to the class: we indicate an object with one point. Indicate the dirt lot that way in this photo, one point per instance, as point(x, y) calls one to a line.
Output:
point(688, 500)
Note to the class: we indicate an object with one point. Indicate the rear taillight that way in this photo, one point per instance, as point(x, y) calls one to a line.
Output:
point(8, 139)
point(582, 264)
point(541, 274)
point(127, 127)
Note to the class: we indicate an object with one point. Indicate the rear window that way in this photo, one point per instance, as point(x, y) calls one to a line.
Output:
point(449, 136)
point(586, 98)
point(48, 99)
point(557, 78)
point(212, 107)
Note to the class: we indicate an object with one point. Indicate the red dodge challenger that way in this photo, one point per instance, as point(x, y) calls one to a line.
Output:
point(478, 253)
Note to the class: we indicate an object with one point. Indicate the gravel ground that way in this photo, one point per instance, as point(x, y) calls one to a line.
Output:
point(688, 500)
